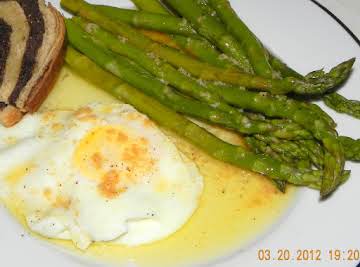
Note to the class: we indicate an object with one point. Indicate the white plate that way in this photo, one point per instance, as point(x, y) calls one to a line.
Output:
point(307, 39)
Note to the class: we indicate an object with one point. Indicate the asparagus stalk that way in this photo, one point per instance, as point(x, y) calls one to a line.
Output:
point(343, 105)
point(286, 71)
point(157, 67)
point(261, 147)
point(284, 147)
point(205, 71)
point(283, 107)
point(308, 150)
point(315, 150)
point(195, 67)
point(212, 29)
point(351, 148)
point(162, 38)
point(92, 72)
point(256, 49)
point(167, 118)
point(189, 86)
point(177, 27)
point(206, 52)
point(200, 49)
point(233, 118)
point(252, 46)
point(149, 20)
point(203, 50)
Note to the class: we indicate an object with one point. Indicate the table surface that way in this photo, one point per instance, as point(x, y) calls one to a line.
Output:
point(346, 10)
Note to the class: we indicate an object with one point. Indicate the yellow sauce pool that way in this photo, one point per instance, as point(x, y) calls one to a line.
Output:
point(236, 206)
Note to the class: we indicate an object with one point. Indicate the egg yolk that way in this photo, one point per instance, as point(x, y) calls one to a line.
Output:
point(114, 159)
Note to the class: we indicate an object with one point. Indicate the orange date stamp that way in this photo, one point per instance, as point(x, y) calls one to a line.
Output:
point(308, 255)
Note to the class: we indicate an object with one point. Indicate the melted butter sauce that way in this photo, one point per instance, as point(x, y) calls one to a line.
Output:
point(235, 208)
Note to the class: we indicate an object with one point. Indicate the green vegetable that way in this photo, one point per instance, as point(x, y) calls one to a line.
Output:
point(191, 42)
point(167, 118)
point(191, 87)
point(155, 66)
point(148, 20)
point(315, 152)
point(286, 71)
point(232, 118)
point(201, 49)
point(203, 70)
point(195, 67)
point(283, 107)
point(284, 147)
point(306, 150)
point(351, 148)
point(261, 147)
point(152, 6)
point(91, 72)
point(249, 42)
point(212, 29)
point(343, 105)
point(314, 84)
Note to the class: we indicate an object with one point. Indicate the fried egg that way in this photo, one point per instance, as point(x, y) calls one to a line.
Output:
point(102, 173)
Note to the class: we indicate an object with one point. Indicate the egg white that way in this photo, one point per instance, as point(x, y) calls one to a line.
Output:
point(100, 173)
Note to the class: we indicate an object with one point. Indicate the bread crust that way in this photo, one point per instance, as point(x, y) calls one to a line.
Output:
point(10, 115)
point(45, 83)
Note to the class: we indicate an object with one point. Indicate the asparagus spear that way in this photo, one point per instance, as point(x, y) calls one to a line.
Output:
point(283, 107)
point(285, 70)
point(197, 68)
point(343, 105)
point(94, 74)
point(211, 29)
point(203, 70)
point(351, 148)
point(202, 49)
point(206, 52)
point(252, 46)
point(158, 68)
point(191, 42)
point(162, 38)
point(167, 118)
point(235, 119)
point(150, 21)
point(306, 150)
point(261, 147)
point(284, 147)
point(189, 86)
point(315, 150)
point(258, 52)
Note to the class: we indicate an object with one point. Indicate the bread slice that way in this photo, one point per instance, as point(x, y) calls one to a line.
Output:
point(5, 33)
point(13, 15)
point(31, 69)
